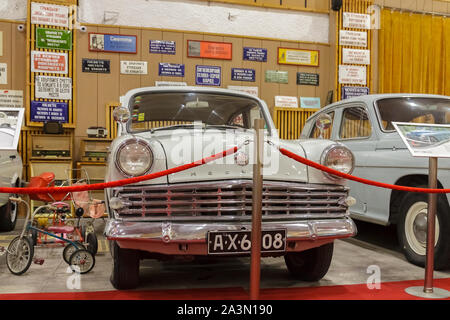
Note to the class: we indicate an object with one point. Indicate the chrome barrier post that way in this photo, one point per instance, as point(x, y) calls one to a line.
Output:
point(428, 291)
point(255, 266)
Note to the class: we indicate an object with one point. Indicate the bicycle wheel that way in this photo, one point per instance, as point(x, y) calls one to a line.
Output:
point(82, 261)
point(70, 249)
point(19, 255)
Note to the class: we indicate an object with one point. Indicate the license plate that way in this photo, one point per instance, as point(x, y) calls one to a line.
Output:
point(237, 242)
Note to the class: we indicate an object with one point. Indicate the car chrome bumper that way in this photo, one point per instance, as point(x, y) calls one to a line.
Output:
point(179, 232)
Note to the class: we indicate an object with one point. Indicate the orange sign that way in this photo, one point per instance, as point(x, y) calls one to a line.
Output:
point(209, 50)
point(50, 62)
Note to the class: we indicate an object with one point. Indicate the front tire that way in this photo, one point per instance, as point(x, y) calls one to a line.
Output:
point(19, 255)
point(8, 216)
point(310, 265)
point(412, 230)
point(125, 273)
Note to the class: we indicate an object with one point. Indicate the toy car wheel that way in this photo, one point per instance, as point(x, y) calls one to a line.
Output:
point(310, 265)
point(82, 261)
point(125, 273)
point(70, 249)
point(412, 230)
point(8, 216)
point(19, 255)
point(92, 243)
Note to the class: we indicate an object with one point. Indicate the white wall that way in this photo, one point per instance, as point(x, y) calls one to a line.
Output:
point(208, 17)
point(13, 9)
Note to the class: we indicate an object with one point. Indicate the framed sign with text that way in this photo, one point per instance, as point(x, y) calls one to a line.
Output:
point(107, 42)
point(209, 49)
point(298, 57)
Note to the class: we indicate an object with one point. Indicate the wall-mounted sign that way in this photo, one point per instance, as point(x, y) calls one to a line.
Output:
point(49, 14)
point(161, 46)
point(171, 70)
point(210, 50)
point(308, 79)
point(53, 87)
point(106, 42)
point(356, 20)
point(307, 102)
point(50, 62)
point(53, 39)
point(276, 76)
point(286, 102)
point(240, 74)
point(133, 67)
point(350, 92)
point(255, 54)
point(95, 65)
point(250, 90)
point(298, 57)
point(352, 75)
point(355, 56)
point(353, 38)
point(1, 43)
point(3, 73)
point(10, 127)
point(208, 75)
point(44, 111)
point(11, 98)
point(170, 83)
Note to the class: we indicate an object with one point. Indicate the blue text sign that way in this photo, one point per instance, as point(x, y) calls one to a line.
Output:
point(207, 75)
point(255, 54)
point(239, 74)
point(44, 111)
point(171, 70)
point(163, 47)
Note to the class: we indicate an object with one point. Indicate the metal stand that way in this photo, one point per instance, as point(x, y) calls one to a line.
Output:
point(428, 291)
point(255, 266)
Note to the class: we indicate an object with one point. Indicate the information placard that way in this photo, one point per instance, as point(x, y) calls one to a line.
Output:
point(276, 76)
point(1, 43)
point(355, 56)
point(95, 65)
point(255, 54)
point(107, 42)
point(47, 87)
point(250, 90)
point(11, 98)
point(286, 102)
point(208, 75)
point(309, 79)
point(350, 92)
point(356, 20)
point(240, 74)
point(49, 14)
point(209, 49)
point(171, 70)
point(44, 111)
point(353, 38)
point(50, 62)
point(133, 67)
point(352, 75)
point(162, 47)
point(170, 84)
point(53, 39)
point(299, 57)
point(310, 102)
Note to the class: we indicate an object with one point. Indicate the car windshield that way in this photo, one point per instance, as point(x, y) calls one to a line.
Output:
point(414, 110)
point(165, 110)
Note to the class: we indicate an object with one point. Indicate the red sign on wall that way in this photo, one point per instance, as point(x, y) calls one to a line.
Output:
point(50, 62)
point(210, 50)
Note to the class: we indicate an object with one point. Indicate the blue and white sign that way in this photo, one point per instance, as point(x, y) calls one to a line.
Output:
point(112, 43)
point(306, 102)
point(239, 74)
point(161, 46)
point(350, 92)
point(255, 54)
point(171, 70)
point(44, 111)
point(208, 75)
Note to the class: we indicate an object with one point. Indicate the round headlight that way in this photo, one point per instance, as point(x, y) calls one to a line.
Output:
point(339, 158)
point(134, 157)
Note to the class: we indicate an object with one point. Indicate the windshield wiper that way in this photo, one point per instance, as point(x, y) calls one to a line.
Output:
point(175, 126)
point(225, 126)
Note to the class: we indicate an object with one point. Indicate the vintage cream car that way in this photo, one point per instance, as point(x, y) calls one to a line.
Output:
point(207, 210)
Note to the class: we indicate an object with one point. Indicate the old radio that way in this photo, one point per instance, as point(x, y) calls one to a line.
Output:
point(97, 132)
point(94, 149)
point(51, 146)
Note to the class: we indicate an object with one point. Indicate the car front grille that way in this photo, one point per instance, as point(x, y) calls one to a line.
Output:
point(231, 200)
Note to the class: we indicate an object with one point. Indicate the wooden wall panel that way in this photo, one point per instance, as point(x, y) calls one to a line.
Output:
point(190, 63)
point(176, 58)
point(236, 62)
point(130, 81)
point(258, 66)
point(6, 27)
point(153, 59)
point(268, 90)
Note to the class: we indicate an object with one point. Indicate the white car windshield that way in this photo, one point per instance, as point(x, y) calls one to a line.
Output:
point(414, 110)
point(165, 110)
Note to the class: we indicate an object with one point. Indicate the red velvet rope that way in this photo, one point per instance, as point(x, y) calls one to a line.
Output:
point(118, 183)
point(357, 179)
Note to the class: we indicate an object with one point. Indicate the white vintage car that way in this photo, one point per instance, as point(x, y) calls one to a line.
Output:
point(207, 210)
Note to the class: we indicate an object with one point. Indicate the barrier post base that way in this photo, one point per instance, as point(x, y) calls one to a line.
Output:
point(437, 293)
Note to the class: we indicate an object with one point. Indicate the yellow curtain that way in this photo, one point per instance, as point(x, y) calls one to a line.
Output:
point(414, 53)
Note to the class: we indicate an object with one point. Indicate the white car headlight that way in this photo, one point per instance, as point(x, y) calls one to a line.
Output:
point(134, 157)
point(338, 157)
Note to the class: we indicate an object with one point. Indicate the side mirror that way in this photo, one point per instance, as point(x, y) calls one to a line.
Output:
point(121, 115)
point(323, 122)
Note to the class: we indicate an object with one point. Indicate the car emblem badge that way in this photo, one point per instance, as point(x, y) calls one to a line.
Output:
point(241, 158)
